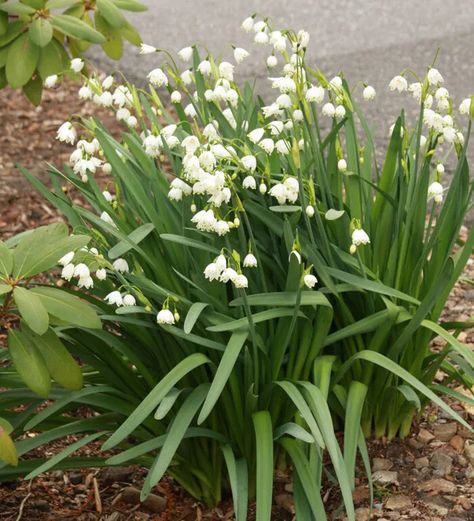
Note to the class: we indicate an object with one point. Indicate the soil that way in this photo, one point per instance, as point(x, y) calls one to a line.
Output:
point(427, 477)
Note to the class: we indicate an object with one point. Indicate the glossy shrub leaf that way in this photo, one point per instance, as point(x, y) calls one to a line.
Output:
point(41, 249)
point(33, 90)
point(41, 32)
point(76, 28)
point(6, 259)
point(130, 5)
point(61, 365)
point(8, 452)
point(69, 308)
point(5, 288)
point(53, 59)
point(29, 363)
point(111, 13)
point(31, 309)
point(22, 59)
point(16, 8)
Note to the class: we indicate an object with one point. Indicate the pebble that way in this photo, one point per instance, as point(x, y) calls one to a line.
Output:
point(425, 436)
point(153, 502)
point(469, 452)
point(381, 464)
point(438, 485)
point(422, 462)
point(470, 472)
point(457, 443)
point(385, 477)
point(362, 514)
point(437, 506)
point(116, 474)
point(398, 502)
point(441, 463)
point(445, 431)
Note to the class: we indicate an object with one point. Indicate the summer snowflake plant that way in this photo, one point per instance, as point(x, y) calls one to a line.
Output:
point(266, 283)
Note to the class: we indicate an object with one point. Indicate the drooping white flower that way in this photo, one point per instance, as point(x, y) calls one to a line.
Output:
point(132, 121)
point(249, 162)
point(157, 78)
point(441, 92)
point(221, 227)
point(465, 106)
point(434, 77)
point(303, 38)
point(190, 111)
point(368, 93)
point(85, 93)
point(121, 265)
point(66, 259)
point(310, 211)
point(272, 110)
point(228, 274)
point(226, 71)
point(398, 83)
point(329, 110)
point(77, 64)
point(449, 134)
point(284, 101)
point(261, 37)
point(340, 111)
point(104, 100)
point(241, 281)
point(128, 300)
point(315, 94)
point(108, 82)
point(440, 168)
point(435, 192)
point(250, 261)
point(66, 133)
point(176, 97)
point(187, 77)
point(262, 188)
point(51, 81)
point(256, 135)
point(342, 165)
point(267, 145)
point(240, 54)
point(272, 61)
point(85, 282)
point(81, 270)
point(298, 115)
point(165, 317)
point(101, 274)
point(259, 25)
point(279, 191)
point(205, 67)
point(212, 271)
point(249, 183)
point(67, 272)
point(191, 144)
point(310, 280)
point(147, 49)
point(114, 298)
point(247, 24)
point(122, 114)
point(106, 218)
point(185, 54)
point(276, 127)
point(416, 88)
point(284, 84)
point(360, 237)
point(205, 220)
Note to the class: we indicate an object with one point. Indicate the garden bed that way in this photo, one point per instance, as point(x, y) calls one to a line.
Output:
point(428, 476)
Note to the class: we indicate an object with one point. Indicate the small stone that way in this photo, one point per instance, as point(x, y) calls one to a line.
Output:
point(41, 505)
point(461, 460)
point(441, 463)
point(465, 502)
point(445, 431)
point(469, 452)
point(153, 502)
point(457, 443)
point(385, 477)
point(422, 462)
point(470, 472)
point(362, 514)
point(398, 502)
point(425, 436)
point(415, 444)
point(438, 485)
point(437, 506)
point(286, 502)
point(116, 474)
point(381, 464)
point(75, 478)
point(454, 518)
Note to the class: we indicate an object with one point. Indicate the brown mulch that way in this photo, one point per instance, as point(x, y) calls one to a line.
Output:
point(28, 138)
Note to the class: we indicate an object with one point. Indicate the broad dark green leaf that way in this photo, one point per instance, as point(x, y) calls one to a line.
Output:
point(76, 28)
point(41, 32)
point(22, 59)
point(31, 309)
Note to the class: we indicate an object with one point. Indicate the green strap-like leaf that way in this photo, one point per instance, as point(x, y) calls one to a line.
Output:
point(154, 397)
point(264, 451)
point(238, 478)
point(228, 360)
